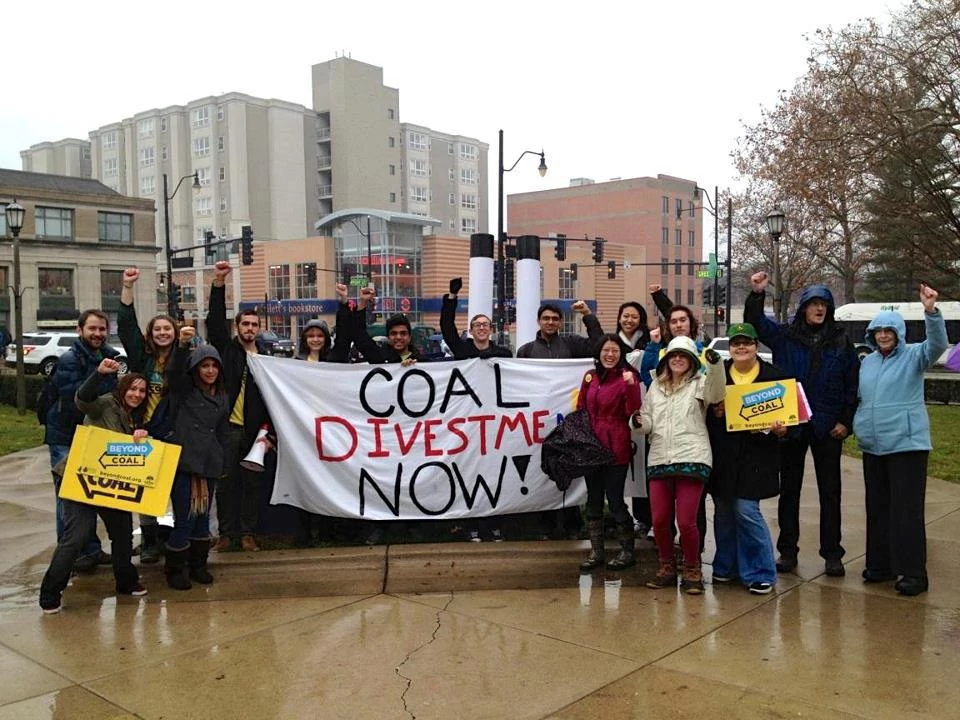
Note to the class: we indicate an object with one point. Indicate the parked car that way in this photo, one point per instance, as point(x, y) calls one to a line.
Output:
point(273, 344)
point(722, 346)
point(42, 351)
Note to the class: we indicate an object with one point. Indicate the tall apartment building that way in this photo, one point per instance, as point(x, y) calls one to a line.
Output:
point(658, 214)
point(70, 157)
point(445, 178)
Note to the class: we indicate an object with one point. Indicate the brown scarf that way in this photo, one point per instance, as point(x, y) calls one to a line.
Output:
point(199, 495)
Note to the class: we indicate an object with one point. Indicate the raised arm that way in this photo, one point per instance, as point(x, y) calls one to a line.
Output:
point(936, 327)
point(769, 331)
point(371, 352)
point(661, 300)
point(88, 394)
point(715, 381)
point(128, 328)
point(583, 346)
point(179, 381)
point(344, 322)
point(448, 323)
point(218, 334)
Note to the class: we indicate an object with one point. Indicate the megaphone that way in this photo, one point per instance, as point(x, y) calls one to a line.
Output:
point(254, 459)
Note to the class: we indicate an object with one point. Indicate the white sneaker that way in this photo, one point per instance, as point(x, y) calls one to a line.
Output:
point(474, 536)
point(51, 611)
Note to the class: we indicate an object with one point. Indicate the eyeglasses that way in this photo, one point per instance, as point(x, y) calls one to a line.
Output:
point(549, 318)
point(480, 325)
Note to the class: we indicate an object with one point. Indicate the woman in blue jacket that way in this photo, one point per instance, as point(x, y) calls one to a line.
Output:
point(893, 431)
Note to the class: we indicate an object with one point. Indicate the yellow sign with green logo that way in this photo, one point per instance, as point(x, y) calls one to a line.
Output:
point(758, 405)
point(110, 469)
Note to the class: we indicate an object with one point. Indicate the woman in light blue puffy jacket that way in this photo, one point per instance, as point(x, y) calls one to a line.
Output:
point(893, 430)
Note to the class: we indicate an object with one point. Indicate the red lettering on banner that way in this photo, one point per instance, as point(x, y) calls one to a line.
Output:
point(405, 447)
point(378, 451)
point(319, 436)
point(507, 424)
point(454, 427)
point(429, 436)
point(482, 419)
point(538, 425)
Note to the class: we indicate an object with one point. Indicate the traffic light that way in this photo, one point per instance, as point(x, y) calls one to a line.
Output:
point(310, 270)
point(561, 250)
point(721, 295)
point(573, 272)
point(721, 314)
point(246, 245)
point(176, 293)
point(508, 280)
point(612, 270)
point(708, 296)
point(598, 250)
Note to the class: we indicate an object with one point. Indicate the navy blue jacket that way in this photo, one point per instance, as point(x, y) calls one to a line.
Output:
point(822, 359)
point(74, 366)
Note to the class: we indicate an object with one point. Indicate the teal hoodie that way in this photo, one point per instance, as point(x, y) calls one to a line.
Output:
point(891, 416)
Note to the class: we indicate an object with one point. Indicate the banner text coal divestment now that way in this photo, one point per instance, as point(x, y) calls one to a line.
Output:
point(433, 440)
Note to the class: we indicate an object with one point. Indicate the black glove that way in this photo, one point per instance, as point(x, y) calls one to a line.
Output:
point(455, 285)
point(712, 356)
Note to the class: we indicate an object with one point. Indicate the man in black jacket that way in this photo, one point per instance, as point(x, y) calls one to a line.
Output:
point(238, 494)
point(480, 327)
point(550, 344)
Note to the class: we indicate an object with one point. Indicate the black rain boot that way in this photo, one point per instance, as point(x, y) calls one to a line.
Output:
point(626, 557)
point(149, 544)
point(198, 561)
point(596, 557)
point(176, 568)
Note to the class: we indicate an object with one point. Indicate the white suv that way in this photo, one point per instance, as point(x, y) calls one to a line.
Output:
point(42, 350)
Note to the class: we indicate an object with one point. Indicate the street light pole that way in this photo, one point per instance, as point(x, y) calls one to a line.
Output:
point(716, 258)
point(171, 295)
point(14, 215)
point(775, 222)
point(502, 236)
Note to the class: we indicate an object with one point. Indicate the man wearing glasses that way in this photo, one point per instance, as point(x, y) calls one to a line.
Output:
point(550, 344)
point(480, 329)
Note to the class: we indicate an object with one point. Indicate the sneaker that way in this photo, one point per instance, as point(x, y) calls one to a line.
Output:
point(911, 586)
point(650, 534)
point(786, 563)
point(498, 536)
point(761, 588)
point(834, 568)
point(248, 544)
point(137, 591)
point(51, 610)
point(722, 578)
point(876, 576)
point(474, 536)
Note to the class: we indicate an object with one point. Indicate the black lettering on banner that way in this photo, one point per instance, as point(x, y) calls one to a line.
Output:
point(413, 488)
point(94, 486)
point(363, 393)
point(430, 398)
point(499, 383)
point(393, 507)
point(470, 497)
point(457, 376)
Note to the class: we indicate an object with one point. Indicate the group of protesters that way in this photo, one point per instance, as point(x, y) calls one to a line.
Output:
point(655, 381)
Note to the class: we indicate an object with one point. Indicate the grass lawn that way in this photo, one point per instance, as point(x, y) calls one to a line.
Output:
point(18, 432)
point(945, 428)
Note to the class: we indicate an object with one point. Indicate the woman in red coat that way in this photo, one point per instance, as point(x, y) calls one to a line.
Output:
point(611, 395)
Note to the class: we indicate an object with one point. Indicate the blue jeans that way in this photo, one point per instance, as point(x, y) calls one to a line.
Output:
point(744, 545)
point(92, 545)
point(187, 527)
point(79, 521)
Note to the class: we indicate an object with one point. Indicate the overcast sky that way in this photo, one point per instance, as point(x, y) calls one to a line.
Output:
point(607, 89)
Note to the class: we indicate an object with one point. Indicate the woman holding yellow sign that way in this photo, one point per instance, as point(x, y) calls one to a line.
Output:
point(120, 411)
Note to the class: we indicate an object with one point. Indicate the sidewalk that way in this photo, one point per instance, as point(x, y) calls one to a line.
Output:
point(473, 631)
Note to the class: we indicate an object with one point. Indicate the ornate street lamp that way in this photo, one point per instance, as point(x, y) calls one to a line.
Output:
point(14, 212)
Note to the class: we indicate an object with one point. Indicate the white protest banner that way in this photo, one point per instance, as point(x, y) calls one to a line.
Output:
point(432, 440)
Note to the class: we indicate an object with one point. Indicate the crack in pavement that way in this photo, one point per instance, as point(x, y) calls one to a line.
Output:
point(409, 680)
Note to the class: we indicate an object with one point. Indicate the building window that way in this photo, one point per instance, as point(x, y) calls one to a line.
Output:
point(468, 152)
point(452, 198)
point(109, 166)
point(468, 225)
point(690, 270)
point(418, 194)
point(418, 167)
point(665, 236)
point(390, 114)
point(203, 175)
point(678, 237)
point(692, 210)
point(201, 117)
point(278, 281)
point(468, 176)
point(163, 124)
point(393, 197)
point(220, 113)
point(391, 142)
point(3, 233)
point(677, 268)
point(679, 208)
point(452, 175)
point(201, 147)
point(223, 203)
point(449, 148)
point(163, 153)
point(54, 223)
point(305, 289)
point(202, 206)
point(677, 296)
point(220, 143)
point(393, 169)
point(145, 128)
point(664, 266)
point(111, 285)
point(147, 157)
point(690, 299)
point(691, 238)
point(665, 205)
point(566, 289)
point(468, 201)
point(114, 227)
point(148, 185)
point(55, 288)
point(418, 141)
point(189, 294)
point(110, 141)
point(453, 224)
point(223, 174)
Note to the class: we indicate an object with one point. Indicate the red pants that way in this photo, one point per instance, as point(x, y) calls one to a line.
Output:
point(683, 493)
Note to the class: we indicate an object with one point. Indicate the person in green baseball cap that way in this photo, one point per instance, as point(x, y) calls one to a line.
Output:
point(746, 469)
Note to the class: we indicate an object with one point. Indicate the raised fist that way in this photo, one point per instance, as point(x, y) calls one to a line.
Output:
point(108, 367)
point(342, 292)
point(455, 285)
point(712, 356)
point(130, 276)
point(758, 281)
point(654, 288)
point(928, 296)
point(655, 335)
point(221, 269)
point(628, 377)
point(580, 307)
point(187, 333)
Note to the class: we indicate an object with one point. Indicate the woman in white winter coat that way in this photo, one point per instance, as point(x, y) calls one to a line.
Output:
point(673, 414)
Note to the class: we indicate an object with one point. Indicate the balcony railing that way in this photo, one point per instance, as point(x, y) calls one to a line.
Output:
point(323, 133)
point(324, 191)
point(324, 162)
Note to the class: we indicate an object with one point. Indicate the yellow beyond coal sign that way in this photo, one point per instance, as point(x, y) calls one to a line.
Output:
point(109, 469)
point(758, 405)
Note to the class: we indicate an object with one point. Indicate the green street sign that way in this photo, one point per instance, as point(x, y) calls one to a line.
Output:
point(704, 274)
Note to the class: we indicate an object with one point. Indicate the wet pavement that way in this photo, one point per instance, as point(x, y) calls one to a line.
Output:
point(507, 630)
